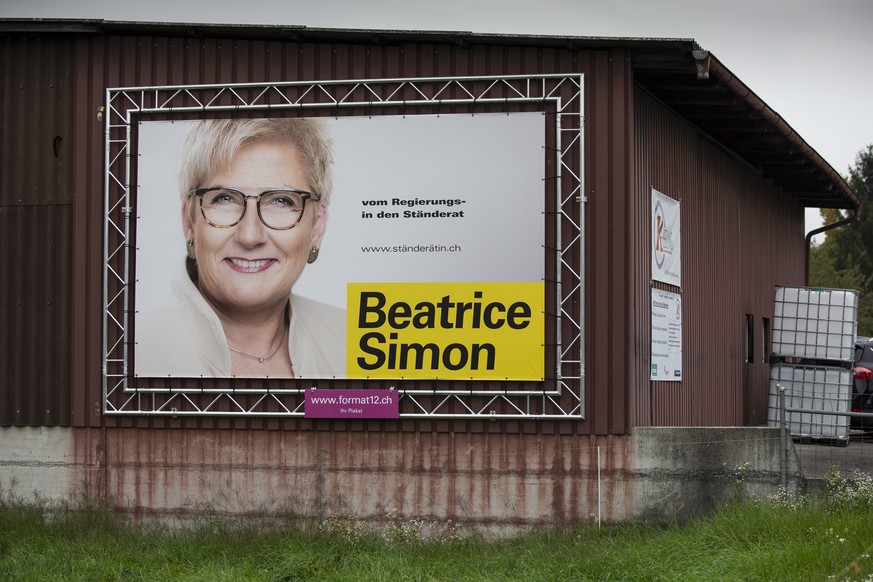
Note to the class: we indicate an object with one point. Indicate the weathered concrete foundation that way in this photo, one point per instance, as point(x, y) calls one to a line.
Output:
point(497, 482)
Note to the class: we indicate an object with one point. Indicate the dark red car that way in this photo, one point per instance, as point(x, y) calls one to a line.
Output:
point(862, 390)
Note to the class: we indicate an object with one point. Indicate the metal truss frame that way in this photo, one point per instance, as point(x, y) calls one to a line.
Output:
point(560, 94)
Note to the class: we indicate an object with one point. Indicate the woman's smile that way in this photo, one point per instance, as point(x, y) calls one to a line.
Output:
point(248, 265)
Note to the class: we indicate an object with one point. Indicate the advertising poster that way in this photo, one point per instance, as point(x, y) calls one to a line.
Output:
point(666, 239)
point(666, 335)
point(427, 263)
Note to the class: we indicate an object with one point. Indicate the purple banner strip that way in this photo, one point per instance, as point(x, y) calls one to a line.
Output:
point(351, 404)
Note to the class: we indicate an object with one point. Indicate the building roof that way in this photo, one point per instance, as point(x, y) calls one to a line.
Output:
point(689, 80)
point(704, 91)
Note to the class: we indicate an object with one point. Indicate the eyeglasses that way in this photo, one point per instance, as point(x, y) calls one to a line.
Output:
point(224, 207)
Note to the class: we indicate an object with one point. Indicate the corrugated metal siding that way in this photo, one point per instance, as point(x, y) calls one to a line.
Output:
point(55, 87)
point(103, 62)
point(35, 315)
point(36, 227)
point(741, 236)
point(36, 110)
point(665, 160)
point(608, 164)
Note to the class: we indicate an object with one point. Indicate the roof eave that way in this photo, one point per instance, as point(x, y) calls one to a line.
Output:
point(702, 90)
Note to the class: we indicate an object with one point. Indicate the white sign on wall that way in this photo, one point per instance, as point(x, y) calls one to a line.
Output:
point(666, 336)
point(666, 235)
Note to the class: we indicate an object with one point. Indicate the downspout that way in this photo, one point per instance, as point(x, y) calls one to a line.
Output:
point(853, 216)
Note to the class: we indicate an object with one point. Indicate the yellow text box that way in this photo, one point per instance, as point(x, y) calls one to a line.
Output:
point(483, 331)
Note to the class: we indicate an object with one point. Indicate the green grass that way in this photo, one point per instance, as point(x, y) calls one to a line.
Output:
point(792, 539)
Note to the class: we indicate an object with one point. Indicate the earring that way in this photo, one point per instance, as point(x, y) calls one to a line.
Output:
point(189, 245)
point(313, 254)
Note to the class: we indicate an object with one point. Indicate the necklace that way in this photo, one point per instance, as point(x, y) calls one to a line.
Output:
point(260, 359)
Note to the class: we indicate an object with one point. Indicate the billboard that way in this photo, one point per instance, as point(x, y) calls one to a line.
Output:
point(429, 260)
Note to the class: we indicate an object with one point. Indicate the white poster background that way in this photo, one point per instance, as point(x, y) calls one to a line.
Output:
point(666, 336)
point(666, 240)
point(493, 162)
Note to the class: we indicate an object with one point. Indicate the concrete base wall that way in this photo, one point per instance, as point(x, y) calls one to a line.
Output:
point(681, 472)
point(497, 482)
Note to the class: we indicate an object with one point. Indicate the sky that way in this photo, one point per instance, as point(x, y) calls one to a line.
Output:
point(809, 60)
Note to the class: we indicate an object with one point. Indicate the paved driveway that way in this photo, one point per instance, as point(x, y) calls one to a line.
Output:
point(817, 458)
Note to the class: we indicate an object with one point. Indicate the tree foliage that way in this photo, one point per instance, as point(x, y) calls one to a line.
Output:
point(845, 259)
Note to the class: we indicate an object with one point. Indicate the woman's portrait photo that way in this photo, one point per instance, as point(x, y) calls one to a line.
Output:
point(250, 233)
point(253, 201)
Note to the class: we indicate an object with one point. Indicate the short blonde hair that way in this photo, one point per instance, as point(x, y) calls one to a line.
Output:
point(211, 145)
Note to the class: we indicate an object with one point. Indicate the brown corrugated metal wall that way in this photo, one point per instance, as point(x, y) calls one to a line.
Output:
point(735, 227)
point(36, 225)
point(91, 63)
point(608, 165)
point(738, 242)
